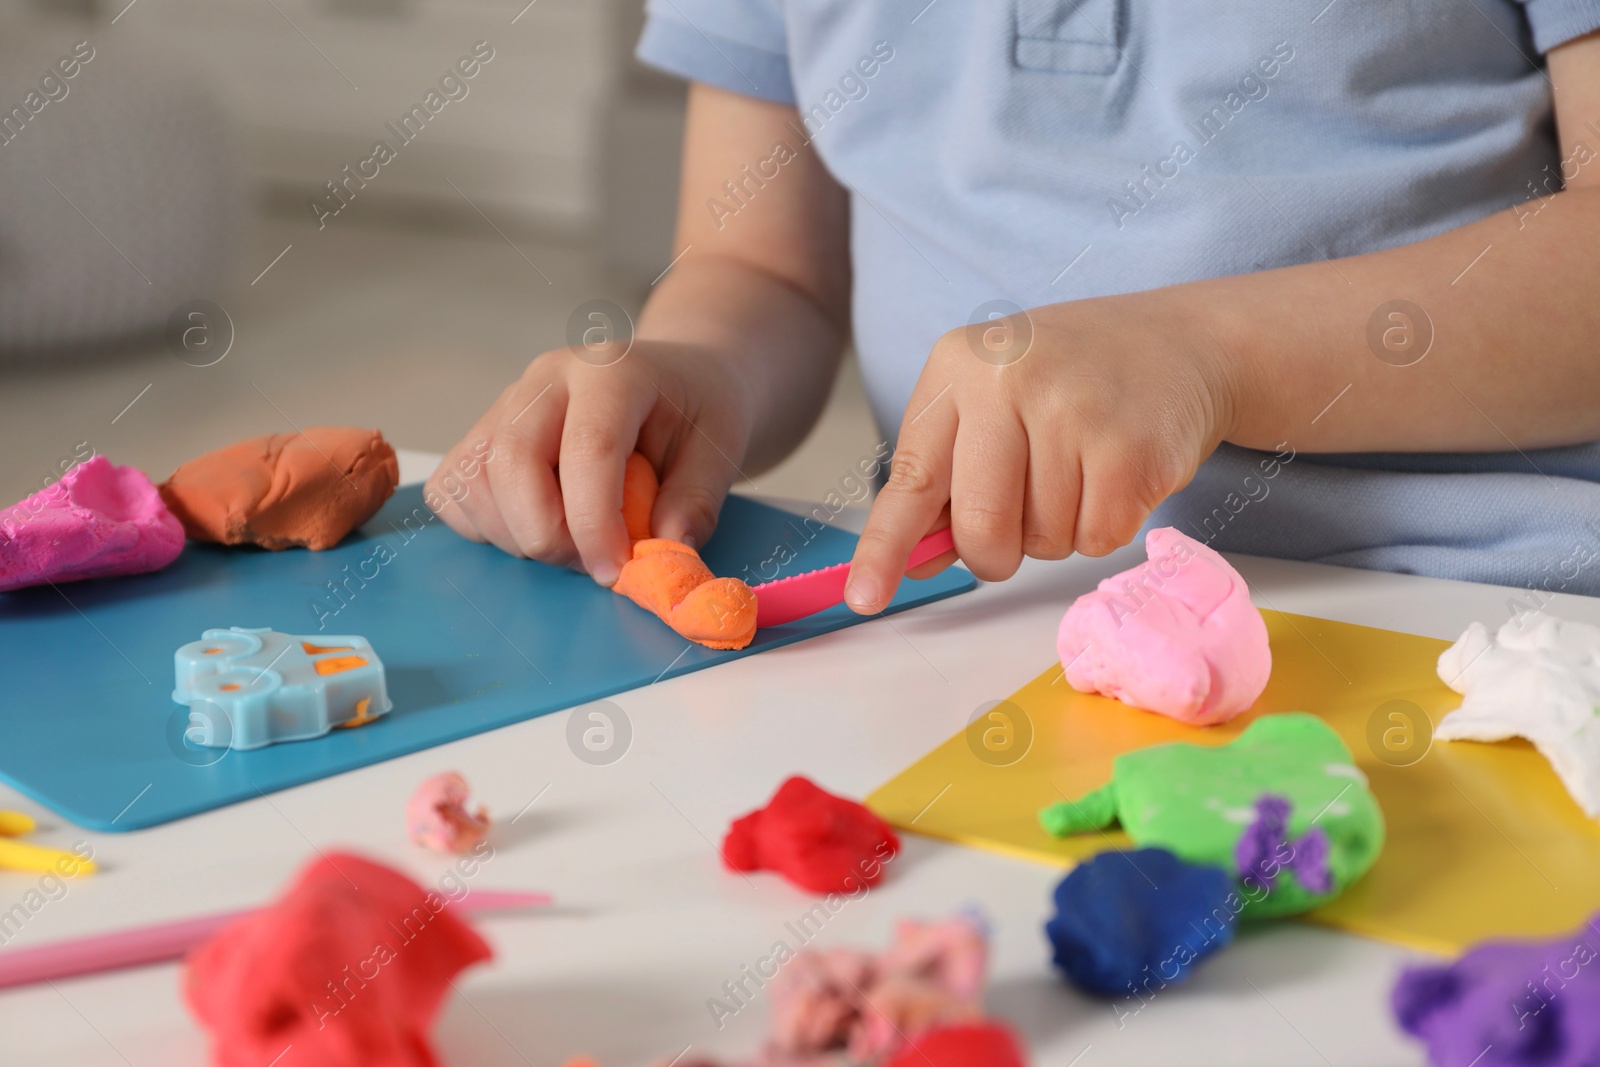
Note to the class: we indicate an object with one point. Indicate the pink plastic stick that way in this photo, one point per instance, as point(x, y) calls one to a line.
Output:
point(161, 942)
point(799, 595)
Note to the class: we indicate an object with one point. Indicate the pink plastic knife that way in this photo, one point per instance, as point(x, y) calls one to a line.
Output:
point(799, 595)
point(161, 942)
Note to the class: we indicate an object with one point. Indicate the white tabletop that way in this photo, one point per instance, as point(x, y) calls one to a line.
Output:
point(649, 925)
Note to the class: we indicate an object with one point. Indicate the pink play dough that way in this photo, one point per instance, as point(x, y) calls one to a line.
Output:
point(437, 815)
point(870, 1005)
point(1176, 635)
point(98, 520)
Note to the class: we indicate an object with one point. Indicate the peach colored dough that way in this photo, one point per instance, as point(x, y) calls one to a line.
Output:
point(1176, 635)
point(670, 579)
point(437, 815)
point(823, 1000)
point(285, 490)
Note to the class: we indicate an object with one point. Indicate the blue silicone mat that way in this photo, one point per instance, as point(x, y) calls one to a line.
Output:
point(471, 640)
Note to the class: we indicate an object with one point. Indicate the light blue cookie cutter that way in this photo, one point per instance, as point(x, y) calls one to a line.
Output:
point(249, 688)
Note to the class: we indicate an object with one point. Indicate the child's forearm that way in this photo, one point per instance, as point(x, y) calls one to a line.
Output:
point(1480, 339)
point(780, 344)
point(765, 290)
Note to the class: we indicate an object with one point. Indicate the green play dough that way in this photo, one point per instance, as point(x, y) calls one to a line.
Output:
point(1196, 802)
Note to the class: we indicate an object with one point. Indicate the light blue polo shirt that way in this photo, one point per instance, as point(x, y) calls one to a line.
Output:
point(1038, 151)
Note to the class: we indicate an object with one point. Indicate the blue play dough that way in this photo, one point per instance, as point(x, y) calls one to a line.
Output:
point(1128, 923)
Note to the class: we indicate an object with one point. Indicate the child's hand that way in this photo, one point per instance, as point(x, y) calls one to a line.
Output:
point(1066, 447)
point(731, 362)
point(540, 474)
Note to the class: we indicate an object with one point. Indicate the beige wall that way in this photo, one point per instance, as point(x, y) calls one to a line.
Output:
point(312, 84)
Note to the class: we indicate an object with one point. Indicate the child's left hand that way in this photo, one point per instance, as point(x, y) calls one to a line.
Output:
point(1066, 447)
point(1119, 399)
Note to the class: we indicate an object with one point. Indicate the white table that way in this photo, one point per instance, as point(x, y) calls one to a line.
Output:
point(649, 925)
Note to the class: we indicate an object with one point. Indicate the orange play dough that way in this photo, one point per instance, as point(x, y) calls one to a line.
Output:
point(670, 579)
point(638, 496)
point(285, 490)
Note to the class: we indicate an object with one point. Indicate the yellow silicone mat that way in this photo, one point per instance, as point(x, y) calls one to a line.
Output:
point(1483, 840)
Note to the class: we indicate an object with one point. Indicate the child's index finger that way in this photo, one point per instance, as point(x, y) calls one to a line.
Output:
point(909, 506)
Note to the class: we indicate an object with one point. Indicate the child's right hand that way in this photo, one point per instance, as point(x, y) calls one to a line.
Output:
point(540, 474)
point(730, 365)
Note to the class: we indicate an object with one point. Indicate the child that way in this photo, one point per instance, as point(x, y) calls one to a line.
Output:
point(1110, 262)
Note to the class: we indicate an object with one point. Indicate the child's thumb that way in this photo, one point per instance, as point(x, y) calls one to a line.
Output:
point(692, 492)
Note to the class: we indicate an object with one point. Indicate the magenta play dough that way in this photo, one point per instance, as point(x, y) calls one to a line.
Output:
point(1176, 635)
point(99, 520)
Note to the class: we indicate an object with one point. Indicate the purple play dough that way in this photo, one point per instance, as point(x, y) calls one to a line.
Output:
point(99, 520)
point(1509, 1004)
point(1264, 841)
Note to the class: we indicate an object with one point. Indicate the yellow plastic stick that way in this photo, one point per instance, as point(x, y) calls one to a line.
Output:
point(17, 856)
point(15, 824)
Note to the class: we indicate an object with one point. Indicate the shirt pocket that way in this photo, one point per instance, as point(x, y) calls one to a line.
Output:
point(1069, 36)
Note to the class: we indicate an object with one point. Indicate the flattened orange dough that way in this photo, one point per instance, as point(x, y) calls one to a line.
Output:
point(672, 581)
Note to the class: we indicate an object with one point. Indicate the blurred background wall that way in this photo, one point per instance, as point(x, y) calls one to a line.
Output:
point(312, 83)
point(217, 158)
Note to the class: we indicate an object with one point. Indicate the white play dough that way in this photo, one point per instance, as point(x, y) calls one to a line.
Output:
point(1538, 678)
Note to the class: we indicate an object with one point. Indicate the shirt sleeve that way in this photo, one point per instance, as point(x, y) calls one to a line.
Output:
point(1555, 22)
point(738, 45)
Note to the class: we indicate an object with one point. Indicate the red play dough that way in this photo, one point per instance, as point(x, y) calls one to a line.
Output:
point(285, 490)
point(820, 842)
point(349, 967)
point(969, 1045)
